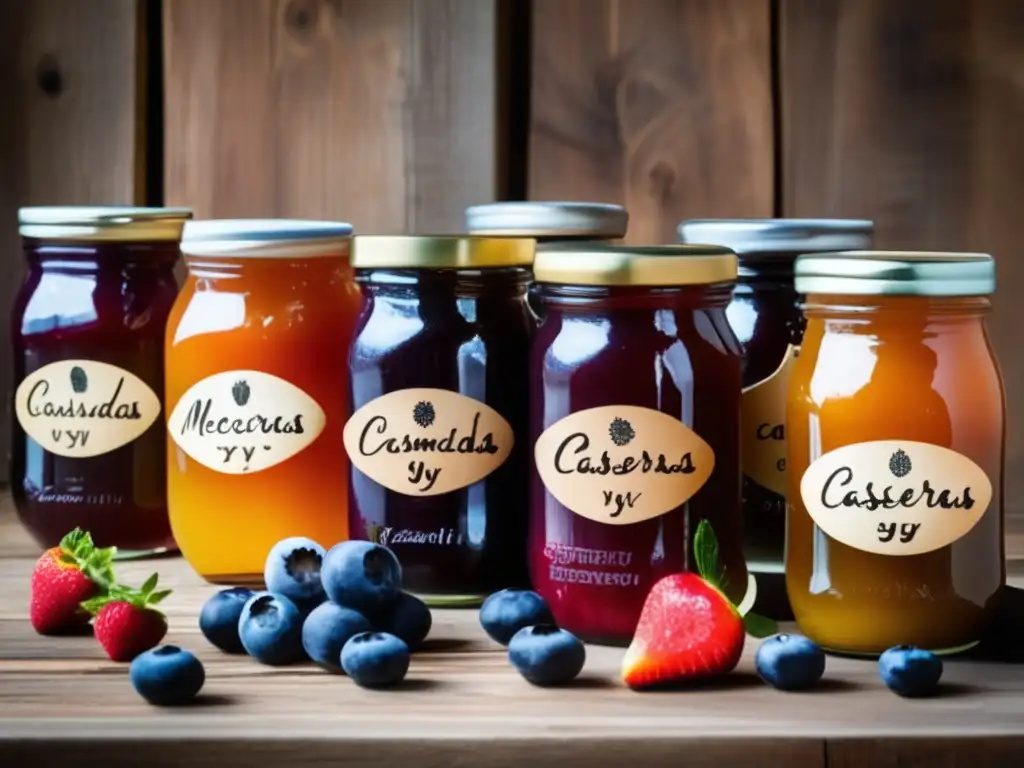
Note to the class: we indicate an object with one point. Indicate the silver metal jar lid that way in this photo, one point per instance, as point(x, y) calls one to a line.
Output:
point(103, 223)
point(548, 220)
point(266, 238)
point(896, 273)
point(770, 237)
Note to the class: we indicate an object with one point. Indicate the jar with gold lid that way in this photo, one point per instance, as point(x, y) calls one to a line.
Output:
point(896, 441)
point(634, 416)
point(87, 332)
point(438, 433)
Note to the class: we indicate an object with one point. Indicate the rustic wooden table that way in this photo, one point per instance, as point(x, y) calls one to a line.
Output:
point(63, 703)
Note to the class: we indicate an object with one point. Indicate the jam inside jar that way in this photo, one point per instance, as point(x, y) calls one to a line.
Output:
point(634, 411)
point(256, 391)
point(438, 434)
point(766, 315)
point(896, 448)
point(88, 322)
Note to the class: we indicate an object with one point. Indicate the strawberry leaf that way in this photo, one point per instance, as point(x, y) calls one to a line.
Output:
point(759, 626)
point(157, 597)
point(705, 552)
point(144, 598)
point(147, 588)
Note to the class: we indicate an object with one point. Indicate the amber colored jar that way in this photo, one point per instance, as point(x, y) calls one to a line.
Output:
point(634, 412)
point(437, 439)
point(766, 315)
point(257, 391)
point(87, 329)
point(896, 430)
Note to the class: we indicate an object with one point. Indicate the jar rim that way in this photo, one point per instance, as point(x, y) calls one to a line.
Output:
point(536, 218)
point(441, 252)
point(102, 223)
point(266, 238)
point(621, 265)
point(778, 239)
point(896, 273)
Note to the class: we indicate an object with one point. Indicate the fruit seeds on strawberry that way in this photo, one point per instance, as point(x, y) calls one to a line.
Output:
point(64, 577)
point(126, 622)
point(688, 629)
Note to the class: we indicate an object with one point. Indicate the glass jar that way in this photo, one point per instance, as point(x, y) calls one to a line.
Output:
point(634, 410)
point(896, 427)
point(437, 438)
point(766, 315)
point(551, 224)
point(87, 328)
point(257, 391)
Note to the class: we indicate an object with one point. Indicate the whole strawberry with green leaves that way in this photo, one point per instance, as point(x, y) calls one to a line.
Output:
point(64, 577)
point(126, 622)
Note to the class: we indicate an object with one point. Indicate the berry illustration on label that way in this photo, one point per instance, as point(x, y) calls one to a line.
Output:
point(79, 381)
point(240, 392)
point(423, 413)
point(900, 464)
point(621, 431)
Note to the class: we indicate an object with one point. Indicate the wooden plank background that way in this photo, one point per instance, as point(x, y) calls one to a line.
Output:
point(396, 114)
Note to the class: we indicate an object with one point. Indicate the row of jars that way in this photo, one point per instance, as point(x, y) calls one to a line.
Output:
point(533, 402)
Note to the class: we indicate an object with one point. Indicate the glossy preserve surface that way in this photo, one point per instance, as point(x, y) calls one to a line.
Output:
point(93, 303)
point(466, 332)
point(255, 450)
point(767, 319)
point(907, 369)
point(666, 349)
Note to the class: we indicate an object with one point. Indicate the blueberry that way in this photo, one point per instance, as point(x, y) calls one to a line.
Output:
point(408, 618)
point(506, 612)
point(790, 662)
point(375, 659)
point(910, 671)
point(293, 570)
point(218, 621)
point(546, 655)
point(271, 629)
point(326, 630)
point(362, 575)
point(167, 676)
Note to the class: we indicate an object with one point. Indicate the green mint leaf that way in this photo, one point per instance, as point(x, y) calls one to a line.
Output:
point(759, 626)
point(705, 552)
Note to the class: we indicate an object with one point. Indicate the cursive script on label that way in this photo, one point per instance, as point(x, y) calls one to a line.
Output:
point(110, 408)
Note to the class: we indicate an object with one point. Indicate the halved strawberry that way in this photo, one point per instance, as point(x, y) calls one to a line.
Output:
point(688, 629)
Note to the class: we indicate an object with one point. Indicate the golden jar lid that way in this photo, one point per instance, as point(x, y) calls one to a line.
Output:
point(766, 238)
point(102, 224)
point(266, 238)
point(548, 220)
point(896, 273)
point(441, 252)
point(611, 265)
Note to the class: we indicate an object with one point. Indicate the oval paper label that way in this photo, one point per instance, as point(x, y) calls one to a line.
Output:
point(763, 419)
point(895, 497)
point(621, 464)
point(240, 422)
point(424, 442)
point(83, 408)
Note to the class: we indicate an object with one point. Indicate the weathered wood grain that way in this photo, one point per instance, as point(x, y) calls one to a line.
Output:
point(910, 114)
point(71, 89)
point(378, 112)
point(664, 106)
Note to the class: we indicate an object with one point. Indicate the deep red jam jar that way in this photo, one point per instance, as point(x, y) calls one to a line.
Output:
point(634, 414)
point(437, 439)
point(766, 315)
point(87, 334)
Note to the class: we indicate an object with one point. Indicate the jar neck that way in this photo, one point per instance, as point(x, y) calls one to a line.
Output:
point(223, 268)
point(570, 298)
point(94, 257)
point(766, 274)
point(463, 283)
point(905, 309)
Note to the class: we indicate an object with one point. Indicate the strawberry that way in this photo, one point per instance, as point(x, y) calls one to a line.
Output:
point(63, 578)
point(126, 622)
point(688, 629)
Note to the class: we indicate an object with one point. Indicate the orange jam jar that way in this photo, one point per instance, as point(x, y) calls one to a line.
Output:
point(256, 383)
point(896, 431)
